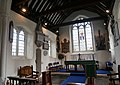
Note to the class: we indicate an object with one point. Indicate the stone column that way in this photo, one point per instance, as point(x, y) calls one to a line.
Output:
point(38, 60)
point(4, 33)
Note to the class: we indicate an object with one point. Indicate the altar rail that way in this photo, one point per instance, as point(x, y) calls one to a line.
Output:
point(81, 62)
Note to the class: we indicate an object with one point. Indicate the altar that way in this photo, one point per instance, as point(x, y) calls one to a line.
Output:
point(81, 62)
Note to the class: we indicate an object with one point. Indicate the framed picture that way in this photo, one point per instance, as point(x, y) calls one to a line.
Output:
point(11, 31)
point(65, 45)
point(46, 38)
point(46, 46)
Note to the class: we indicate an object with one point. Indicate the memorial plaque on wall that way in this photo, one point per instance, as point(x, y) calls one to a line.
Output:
point(65, 46)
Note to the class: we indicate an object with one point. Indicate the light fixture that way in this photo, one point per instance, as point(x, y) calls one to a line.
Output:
point(45, 23)
point(24, 10)
point(107, 11)
point(81, 18)
point(104, 23)
point(57, 31)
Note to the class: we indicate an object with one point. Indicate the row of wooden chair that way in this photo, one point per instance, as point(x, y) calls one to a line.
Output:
point(55, 66)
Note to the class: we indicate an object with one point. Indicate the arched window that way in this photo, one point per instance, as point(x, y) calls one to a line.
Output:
point(18, 44)
point(82, 38)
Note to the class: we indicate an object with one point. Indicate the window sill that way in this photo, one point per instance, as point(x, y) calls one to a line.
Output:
point(19, 57)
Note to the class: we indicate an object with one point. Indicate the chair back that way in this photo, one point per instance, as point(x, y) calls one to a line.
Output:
point(25, 71)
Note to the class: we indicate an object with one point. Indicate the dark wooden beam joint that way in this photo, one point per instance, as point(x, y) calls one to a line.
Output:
point(21, 2)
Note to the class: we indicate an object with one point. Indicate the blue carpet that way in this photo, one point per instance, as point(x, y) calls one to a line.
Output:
point(77, 74)
point(72, 69)
point(74, 79)
point(62, 70)
point(101, 71)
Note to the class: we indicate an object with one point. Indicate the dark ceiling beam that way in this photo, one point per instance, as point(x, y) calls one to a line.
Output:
point(60, 14)
point(60, 3)
point(21, 2)
point(54, 4)
point(37, 4)
point(26, 4)
point(44, 5)
point(93, 9)
point(46, 20)
point(66, 15)
point(103, 10)
point(70, 6)
point(103, 4)
point(47, 5)
point(31, 4)
point(79, 21)
point(48, 16)
point(68, 12)
point(55, 15)
point(56, 18)
point(112, 5)
point(41, 4)
point(51, 16)
point(63, 16)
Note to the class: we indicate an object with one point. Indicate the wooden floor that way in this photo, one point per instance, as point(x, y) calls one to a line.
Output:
point(58, 78)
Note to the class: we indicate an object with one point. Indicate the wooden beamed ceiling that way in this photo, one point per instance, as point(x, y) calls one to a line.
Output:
point(54, 12)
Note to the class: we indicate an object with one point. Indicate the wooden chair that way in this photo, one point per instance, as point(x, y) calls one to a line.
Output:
point(27, 72)
point(112, 77)
point(46, 78)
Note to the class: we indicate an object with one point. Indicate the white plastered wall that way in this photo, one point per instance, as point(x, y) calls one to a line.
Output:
point(115, 50)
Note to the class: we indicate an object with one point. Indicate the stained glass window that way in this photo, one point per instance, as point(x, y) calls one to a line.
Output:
point(21, 44)
point(82, 37)
point(18, 45)
point(14, 43)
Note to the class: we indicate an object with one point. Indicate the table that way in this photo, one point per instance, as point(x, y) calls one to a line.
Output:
point(15, 80)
